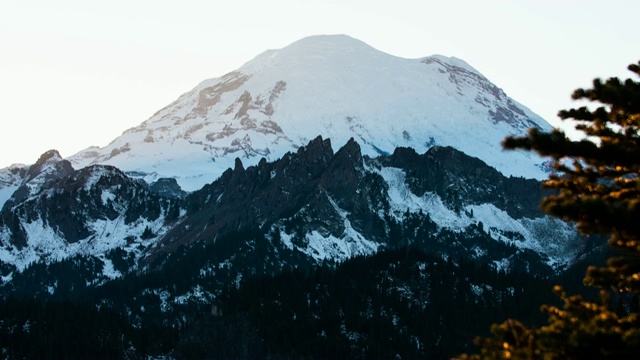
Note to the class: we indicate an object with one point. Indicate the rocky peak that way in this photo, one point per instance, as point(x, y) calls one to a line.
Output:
point(345, 169)
point(49, 168)
point(351, 150)
point(238, 167)
point(49, 156)
point(404, 157)
point(51, 165)
point(317, 149)
point(458, 162)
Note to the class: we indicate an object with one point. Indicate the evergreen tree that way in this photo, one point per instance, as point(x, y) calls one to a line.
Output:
point(597, 183)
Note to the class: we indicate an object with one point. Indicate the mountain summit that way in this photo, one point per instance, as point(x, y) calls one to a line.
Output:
point(333, 86)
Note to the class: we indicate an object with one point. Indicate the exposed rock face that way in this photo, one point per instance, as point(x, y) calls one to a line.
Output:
point(246, 198)
point(168, 188)
point(461, 180)
point(314, 197)
point(86, 212)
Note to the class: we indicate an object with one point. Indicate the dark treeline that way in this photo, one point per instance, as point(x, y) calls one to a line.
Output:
point(63, 330)
point(401, 302)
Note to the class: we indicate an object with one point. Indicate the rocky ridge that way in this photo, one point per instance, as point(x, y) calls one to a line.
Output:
point(313, 205)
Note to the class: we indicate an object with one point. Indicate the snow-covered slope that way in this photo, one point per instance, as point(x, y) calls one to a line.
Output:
point(11, 178)
point(334, 86)
point(85, 213)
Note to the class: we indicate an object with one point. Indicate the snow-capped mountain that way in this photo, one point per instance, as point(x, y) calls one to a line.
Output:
point(274, 217)
point(333, 86)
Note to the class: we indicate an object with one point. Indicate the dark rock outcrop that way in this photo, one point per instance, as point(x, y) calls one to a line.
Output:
point(167, 188)
point(461, 180)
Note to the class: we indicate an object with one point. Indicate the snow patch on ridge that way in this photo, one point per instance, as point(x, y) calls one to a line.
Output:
point(46, 244)
point(337, 248)
point(108, 270)
point(6, 192)
point(534, 234)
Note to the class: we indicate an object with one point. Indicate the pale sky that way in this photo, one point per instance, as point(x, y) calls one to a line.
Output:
point(79, 73)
